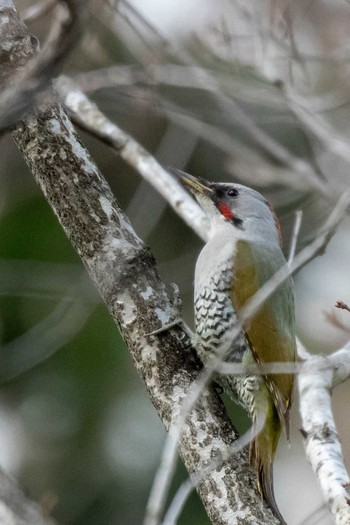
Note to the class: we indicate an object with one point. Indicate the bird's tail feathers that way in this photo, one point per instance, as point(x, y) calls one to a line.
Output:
point(262, 451)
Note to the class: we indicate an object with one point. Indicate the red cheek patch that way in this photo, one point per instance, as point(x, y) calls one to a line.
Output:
point(225, 211)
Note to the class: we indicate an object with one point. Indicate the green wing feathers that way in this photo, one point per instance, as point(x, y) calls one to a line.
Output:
point(271, 335)
point(271, 332)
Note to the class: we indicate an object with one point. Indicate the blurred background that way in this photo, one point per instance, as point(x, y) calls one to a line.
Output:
point(256, 92)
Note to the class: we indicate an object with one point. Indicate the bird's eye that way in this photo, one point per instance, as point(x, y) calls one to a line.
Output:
point(232, 192)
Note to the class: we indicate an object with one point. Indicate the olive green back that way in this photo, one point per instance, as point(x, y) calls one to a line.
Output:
point(271, 332)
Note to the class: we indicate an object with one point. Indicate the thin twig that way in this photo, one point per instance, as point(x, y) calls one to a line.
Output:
point(48, 335)
point(185, 489)
point(295, 235)
point(176, 147)
point(324, 132)
point(230, 107)
point(178, 502)
point(338, 361)
point(37, 10)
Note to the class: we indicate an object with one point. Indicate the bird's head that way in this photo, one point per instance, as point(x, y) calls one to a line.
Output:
point(234, 204)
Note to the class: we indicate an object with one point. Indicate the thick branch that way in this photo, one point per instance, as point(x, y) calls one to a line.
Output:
point(124, 272)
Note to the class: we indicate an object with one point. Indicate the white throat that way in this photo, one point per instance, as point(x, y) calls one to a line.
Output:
point(217, 255)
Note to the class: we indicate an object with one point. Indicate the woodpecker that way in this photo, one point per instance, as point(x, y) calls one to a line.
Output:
point(244, 251)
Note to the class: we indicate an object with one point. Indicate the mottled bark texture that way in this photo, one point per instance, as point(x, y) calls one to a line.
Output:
point(322, 442)
point(124, 272)
point(23, 89)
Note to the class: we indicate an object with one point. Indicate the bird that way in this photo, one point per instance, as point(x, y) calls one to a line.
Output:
point(244, 251)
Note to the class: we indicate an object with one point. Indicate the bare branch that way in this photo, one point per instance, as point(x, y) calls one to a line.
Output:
point(21, 90)
point(178, 503)
point(192, 77)
point(323, 131)
point(295, 235)
point(46, 337)
point(90, 118)
point(322, 443)
point(338, 363)
point(318, 375)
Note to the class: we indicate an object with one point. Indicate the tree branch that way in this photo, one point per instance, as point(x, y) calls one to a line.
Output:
point(37, 10)
point(87, 116)
point(322, 443)
point(124, 272)
point(17, 46)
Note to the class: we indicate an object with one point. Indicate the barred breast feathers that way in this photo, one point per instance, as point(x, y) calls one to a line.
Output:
point(215, 317)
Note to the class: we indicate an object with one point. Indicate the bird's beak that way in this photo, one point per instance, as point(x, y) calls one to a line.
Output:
point(196, 186)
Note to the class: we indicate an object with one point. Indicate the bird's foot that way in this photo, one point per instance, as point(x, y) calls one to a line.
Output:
point(177, 302)
point(165, 327)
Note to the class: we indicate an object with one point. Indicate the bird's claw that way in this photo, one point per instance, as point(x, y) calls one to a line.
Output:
point(165, 327)
point(177, 305)
point(177, 302)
